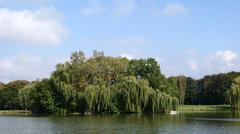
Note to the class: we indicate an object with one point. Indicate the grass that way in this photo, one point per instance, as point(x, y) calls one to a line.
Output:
point(182, 108)
point(199, 108)
point(14, 112)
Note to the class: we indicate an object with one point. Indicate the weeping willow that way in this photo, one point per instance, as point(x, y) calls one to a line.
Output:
point(62, 79)
point(128, 94)
point(24, 96)
point(161, 102)
point(136, 96)
point(234, 94)
point(98, 98)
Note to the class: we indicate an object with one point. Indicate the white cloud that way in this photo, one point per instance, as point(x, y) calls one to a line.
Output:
point(93, 8)
point(43, 26)
point(221, 62)
point(124, 8)
point(226, 57)
point(217, 62)
point(173, 10)
point(28, 67)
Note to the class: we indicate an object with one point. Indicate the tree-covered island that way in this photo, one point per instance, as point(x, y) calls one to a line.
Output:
point(103, 84)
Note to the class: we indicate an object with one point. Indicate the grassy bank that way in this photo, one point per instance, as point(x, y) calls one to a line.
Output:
point(14, 112)
point(199, 108)
point(182, 108)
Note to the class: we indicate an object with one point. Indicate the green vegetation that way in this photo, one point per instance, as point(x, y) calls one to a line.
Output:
point(99, 84)
point(102, 84)
point(234, 94)
point(203, 108)
point(210, 90)
point(14, 112)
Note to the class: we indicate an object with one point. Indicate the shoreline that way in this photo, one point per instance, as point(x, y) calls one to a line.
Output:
point(14, 112)
point(204, 108)
point(181, 109)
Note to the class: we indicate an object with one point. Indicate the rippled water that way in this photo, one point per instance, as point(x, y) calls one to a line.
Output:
point(188, 123)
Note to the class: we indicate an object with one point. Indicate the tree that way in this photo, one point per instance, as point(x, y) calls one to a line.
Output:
point(171, 87)
point(25, 96)
point(147, 69)
point(9, 95)
point(234, 94)
point(2, 85)
point(191, 91)
point(77, 57)
point(97, 54)
point(99, 84)
point(181, 82)
point(135, 95)
point(43, 98)
point(213, 89)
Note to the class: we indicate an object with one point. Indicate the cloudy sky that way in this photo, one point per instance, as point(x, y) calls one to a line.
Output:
point(192, 38)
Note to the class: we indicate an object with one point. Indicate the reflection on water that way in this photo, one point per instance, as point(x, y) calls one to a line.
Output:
point(184, 123)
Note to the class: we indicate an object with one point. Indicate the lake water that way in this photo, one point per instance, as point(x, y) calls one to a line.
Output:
point(187, 123)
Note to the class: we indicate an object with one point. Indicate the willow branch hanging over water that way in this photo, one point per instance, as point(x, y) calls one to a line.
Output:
point(234, 94)
point(101, 84)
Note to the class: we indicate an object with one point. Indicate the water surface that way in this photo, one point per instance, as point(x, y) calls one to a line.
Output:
point(185, 123)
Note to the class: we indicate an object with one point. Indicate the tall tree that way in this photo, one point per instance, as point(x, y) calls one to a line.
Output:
point(191, 91)
point(147, 69)
point(234, 94)
point(181, 82)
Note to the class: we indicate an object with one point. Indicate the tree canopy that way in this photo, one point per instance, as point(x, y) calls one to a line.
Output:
point(104, 84)
point(98, 84)
point(234, 94)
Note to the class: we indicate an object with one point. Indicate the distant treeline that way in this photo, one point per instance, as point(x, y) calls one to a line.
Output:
point(103, 84)
point(210, 90)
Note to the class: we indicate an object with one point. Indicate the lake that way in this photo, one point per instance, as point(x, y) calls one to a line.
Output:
point(184, 123)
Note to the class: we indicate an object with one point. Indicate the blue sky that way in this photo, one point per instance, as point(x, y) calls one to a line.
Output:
point(192, 38)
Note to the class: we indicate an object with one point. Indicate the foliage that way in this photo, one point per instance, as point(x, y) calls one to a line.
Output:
point(171, 87)
point(99, 84)
point(9, 95)
point(104, 84)
point(191, 91)
point(136, 96)
point(181, 82)
point(2, 85)
point(210, 90)
point(146, 69)
point(213, 89)
point(43, 98)
point(234, 94)
point(24, 96)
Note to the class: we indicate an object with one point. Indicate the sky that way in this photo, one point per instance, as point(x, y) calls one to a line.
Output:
point(192, 38)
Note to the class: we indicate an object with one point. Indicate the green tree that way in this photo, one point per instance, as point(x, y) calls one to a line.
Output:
point(9, 95)
point(147, 69)
point(99, 84)
point(25, 96)
point(213, 89)
point(234, 94)
point(191, 91)
point(171, 87)
point(2, 85)
point(43, 98)
point(181, 82)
